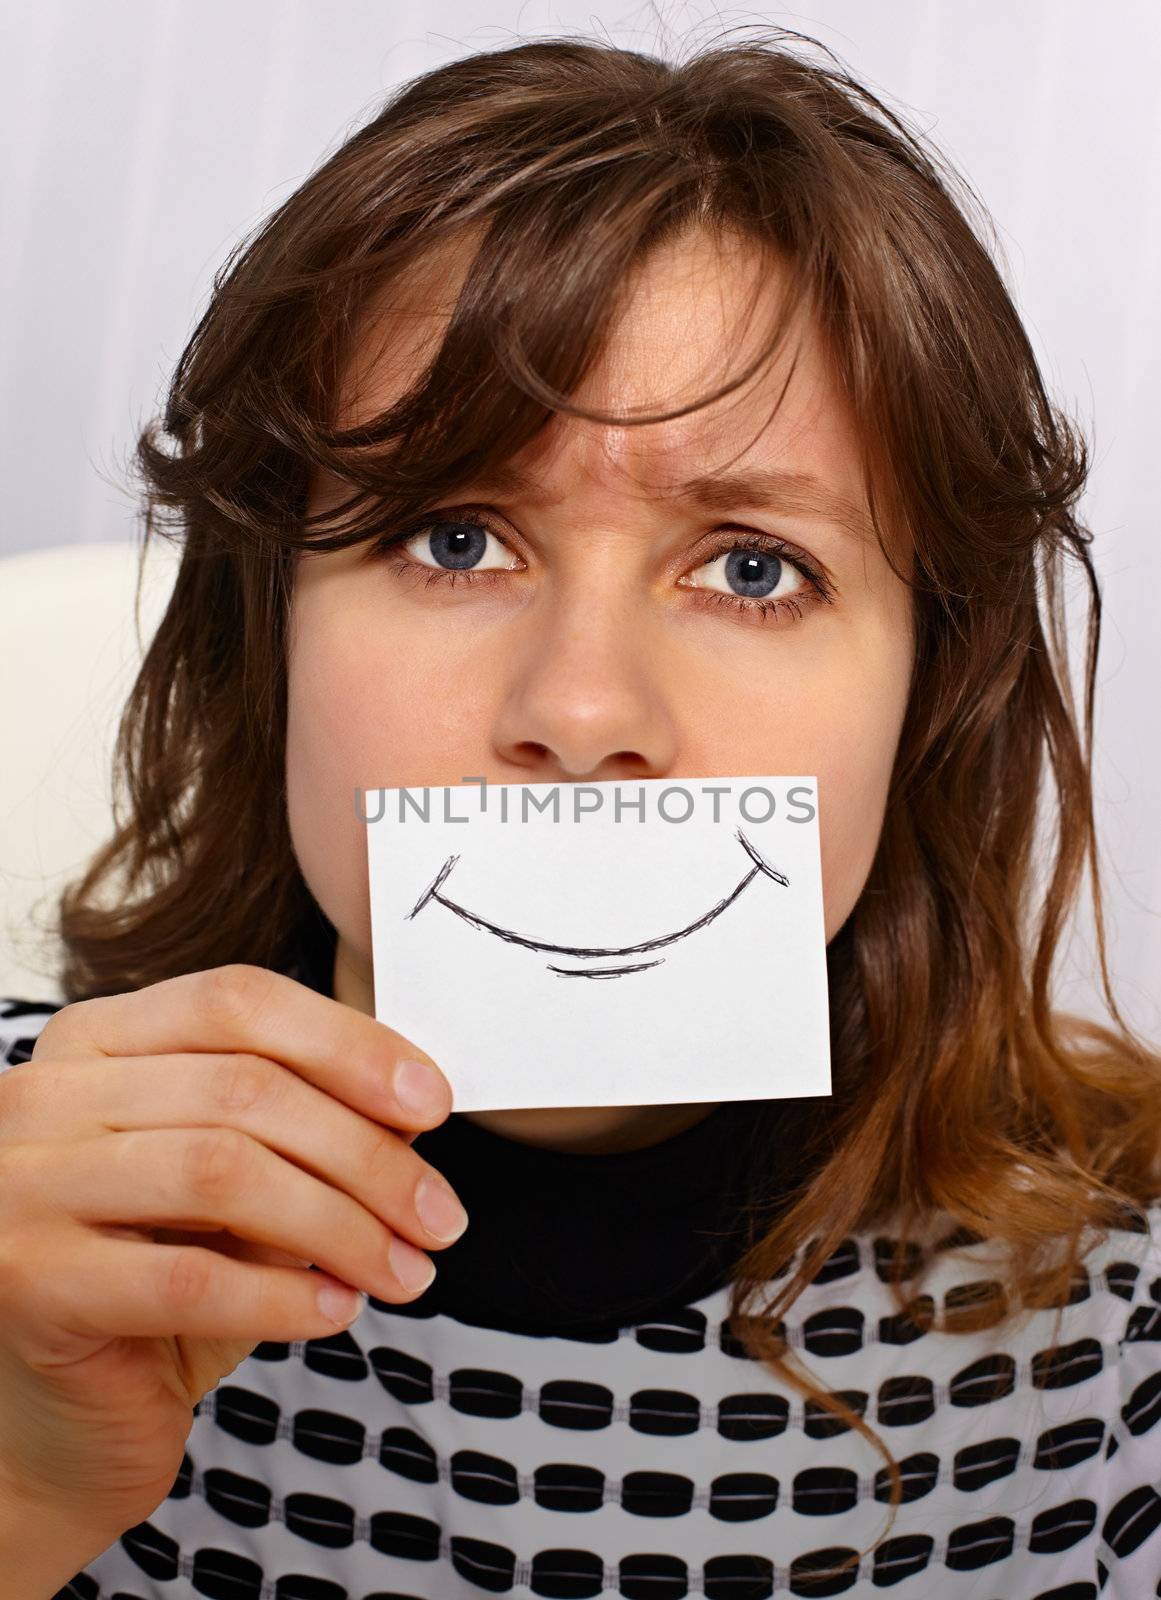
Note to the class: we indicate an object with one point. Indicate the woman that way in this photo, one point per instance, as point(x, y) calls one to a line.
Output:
point(590, 417)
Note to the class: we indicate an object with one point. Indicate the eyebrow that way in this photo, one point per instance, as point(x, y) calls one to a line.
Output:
point(766, 488)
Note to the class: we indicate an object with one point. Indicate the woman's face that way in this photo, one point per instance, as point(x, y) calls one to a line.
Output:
point(602, 634)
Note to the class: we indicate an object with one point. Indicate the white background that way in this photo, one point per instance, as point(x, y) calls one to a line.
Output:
point(139, 141)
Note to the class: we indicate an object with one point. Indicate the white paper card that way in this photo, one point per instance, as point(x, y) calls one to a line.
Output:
point(633, 943)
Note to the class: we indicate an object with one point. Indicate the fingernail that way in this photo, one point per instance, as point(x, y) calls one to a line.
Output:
point(419, 1088)
point(439, 1210)
point(413, 1269)
point(340, 1302)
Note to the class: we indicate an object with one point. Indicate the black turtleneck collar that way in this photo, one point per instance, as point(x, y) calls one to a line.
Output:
point(560, 1242)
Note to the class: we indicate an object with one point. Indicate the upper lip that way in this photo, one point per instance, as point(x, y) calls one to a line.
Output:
point(432, 892)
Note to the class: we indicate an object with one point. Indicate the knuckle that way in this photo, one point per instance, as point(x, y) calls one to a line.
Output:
point(239, 1082)
point(382, 1160)
point(14, 1087)
point(349, 1038)
point(13, 1175)
point(217, 1161)
point(234, 992)
point(77, 1017)
point(47, 1040)
point(185, 1278)
point(26, 1188)
point(31, 1096)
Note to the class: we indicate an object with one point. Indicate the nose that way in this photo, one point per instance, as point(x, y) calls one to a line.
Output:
point(586, 694)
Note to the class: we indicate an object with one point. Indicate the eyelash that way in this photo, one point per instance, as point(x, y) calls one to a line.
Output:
point(758, 609)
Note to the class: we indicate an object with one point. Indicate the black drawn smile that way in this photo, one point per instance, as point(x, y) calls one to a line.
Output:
point(760, 866)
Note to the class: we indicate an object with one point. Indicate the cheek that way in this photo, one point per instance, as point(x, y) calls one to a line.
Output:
point(853, 749)
point(853, 780)
point(324, 758)
point(834, 709)
point(368, 705)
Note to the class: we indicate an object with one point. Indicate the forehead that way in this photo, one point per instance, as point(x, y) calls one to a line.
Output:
point(691, 317)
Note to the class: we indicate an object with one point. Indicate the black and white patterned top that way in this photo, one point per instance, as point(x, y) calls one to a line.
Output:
point(566, 1412)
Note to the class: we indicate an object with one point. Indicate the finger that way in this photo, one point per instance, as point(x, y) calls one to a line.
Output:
point(272, 1104)
point(217, 1178)
point(107, 1288)
point(244, 1008)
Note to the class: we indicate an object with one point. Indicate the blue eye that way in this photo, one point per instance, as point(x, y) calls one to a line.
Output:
point(458, 544)
point(752, 573)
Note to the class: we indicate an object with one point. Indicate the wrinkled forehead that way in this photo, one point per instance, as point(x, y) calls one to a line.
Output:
point(690, 318)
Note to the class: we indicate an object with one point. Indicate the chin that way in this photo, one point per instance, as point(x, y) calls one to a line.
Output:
point(543, 1124)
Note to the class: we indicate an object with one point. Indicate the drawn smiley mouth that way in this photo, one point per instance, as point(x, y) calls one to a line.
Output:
point(760, 868)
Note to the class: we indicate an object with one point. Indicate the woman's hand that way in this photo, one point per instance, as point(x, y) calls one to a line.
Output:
point(171, 1162)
